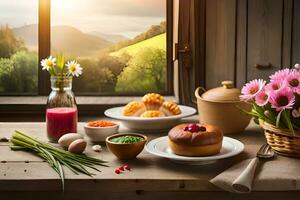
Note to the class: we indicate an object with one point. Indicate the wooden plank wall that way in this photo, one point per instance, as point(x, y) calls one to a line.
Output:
point(296, 33)
point(247, 39)
point(264, 38)
point(220, 41)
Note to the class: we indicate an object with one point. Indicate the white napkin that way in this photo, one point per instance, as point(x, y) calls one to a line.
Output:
point(243, 183)
point(278, 174)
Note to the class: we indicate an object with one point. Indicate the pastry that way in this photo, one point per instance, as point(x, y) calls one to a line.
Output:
point(152, 113)
point(134, 109)
point(195, 140)
point(153, 101)
point(170, 108)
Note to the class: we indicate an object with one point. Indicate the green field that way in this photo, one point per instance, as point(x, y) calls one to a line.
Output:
point(158, 41)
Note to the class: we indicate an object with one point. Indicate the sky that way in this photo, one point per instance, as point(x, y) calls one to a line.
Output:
point(125, 17)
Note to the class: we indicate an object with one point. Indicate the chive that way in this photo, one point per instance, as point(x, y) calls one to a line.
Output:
point(56, 158)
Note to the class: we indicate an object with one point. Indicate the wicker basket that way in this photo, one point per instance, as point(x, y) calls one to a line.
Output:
point(282, 141)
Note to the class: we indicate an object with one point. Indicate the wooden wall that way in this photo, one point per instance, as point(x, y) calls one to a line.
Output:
point(247, 39)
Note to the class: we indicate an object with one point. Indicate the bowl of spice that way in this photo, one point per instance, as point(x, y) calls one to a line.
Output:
point(97, 131)
point(126, 145)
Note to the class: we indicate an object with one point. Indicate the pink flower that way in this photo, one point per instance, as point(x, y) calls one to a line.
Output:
point(262, 98)
point(280, 75)
point(251, 89)
point(293, 81)
point(274, 86)
point(282, 99)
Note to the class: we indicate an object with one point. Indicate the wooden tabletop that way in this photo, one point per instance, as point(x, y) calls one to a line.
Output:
point(21, 173)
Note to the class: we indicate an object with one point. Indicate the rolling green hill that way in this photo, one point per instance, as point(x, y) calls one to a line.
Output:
point(158, 41)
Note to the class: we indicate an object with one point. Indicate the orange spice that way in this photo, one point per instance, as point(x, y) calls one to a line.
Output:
point(101, 123)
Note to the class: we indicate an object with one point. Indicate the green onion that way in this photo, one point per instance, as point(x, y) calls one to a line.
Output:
point(77, 163)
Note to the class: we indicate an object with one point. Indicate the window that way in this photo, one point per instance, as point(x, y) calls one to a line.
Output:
point(18, 47)
point(121, 44)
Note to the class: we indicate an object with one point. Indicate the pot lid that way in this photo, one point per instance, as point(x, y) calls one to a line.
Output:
point(227, 92)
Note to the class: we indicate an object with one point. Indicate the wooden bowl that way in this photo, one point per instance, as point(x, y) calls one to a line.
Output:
point(126, 151)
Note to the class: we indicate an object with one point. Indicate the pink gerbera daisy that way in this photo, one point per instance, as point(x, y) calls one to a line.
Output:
point(293, 81)
point(274, 86)
point(262, 98)
point(280, 75)
point(251, 89)
point(282, 99)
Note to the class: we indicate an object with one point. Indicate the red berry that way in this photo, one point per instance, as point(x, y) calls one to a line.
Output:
point(121, 168)
point(193, 128)
point(126, 167)
point(117, 171)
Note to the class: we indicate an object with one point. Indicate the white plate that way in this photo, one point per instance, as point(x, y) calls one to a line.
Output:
point(159, 147)
point(148, 124)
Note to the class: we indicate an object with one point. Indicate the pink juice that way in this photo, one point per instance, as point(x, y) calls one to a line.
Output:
point(60, 121)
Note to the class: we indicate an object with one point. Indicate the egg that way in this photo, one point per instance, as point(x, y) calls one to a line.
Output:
point(78, 146)
point(67, 139)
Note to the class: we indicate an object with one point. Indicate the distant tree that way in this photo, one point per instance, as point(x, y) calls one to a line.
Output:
point(19, 74)
point(163, 26)
point(146, 71)
point(95, 77)
point(9, 44)
point(151, 32)
point(113, 63)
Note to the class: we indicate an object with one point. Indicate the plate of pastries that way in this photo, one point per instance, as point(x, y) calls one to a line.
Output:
point(195, 144)
point(152, 112)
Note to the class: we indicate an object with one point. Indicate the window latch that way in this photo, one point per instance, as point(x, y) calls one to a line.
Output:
point(185, 50)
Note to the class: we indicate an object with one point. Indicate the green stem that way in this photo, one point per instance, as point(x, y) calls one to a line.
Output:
point(286, 117)
point(56, 157)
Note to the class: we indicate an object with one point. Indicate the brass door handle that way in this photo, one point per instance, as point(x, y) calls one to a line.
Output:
point(264, 66)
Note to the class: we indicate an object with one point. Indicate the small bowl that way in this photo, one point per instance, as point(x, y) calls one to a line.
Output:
point(128, 150)
point(99, 134)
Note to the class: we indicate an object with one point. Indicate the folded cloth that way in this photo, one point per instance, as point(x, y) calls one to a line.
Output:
point(278, 174)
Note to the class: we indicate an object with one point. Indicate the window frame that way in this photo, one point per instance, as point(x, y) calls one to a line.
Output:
point(31, 107)
point(44, 49)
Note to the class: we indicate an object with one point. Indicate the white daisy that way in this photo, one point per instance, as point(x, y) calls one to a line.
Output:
point(74, 68)
point(297, 66)
point(48, 63)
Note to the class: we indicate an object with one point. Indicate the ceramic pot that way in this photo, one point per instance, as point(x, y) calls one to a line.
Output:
point(221, 107)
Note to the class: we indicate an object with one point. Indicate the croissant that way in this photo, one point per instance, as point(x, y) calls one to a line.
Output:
point(152, 113)
point(170, 108)
point(153, 101)
point(134, 109)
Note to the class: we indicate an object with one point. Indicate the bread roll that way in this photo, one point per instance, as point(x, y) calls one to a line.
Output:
point(195, 139)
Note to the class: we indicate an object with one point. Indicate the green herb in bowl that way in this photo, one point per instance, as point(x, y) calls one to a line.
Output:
point(127, 139)
point(126, 145)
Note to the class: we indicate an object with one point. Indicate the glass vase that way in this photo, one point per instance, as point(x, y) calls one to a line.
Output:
point(61, 113)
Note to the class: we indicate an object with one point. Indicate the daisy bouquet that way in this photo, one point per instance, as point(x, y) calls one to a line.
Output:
point(61, 70)
point(58, 67)
point(278, 101)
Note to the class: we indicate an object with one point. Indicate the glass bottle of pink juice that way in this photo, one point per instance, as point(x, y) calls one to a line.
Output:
point(61, 113)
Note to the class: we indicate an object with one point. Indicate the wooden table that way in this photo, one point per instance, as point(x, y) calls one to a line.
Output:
point(25, 176)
